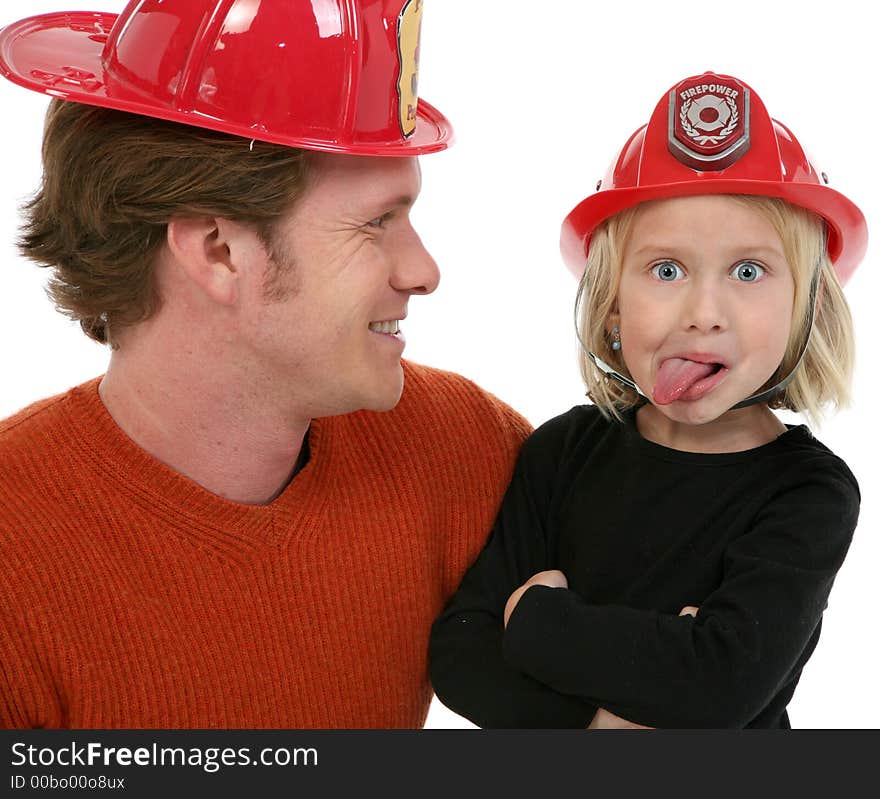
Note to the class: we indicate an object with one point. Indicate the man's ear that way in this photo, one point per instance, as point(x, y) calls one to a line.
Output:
point(203, 248)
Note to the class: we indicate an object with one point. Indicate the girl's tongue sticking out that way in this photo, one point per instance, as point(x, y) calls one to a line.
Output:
point(677, 376)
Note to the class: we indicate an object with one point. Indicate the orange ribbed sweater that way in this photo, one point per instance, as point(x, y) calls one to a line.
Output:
point(132, 597)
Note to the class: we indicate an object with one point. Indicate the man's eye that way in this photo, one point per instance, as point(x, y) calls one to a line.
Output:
point(667, 271)
point(379, 221)
point(747, 272)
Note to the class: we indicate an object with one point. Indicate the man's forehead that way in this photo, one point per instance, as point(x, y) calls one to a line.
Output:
point(364, 180)
point(361, 166)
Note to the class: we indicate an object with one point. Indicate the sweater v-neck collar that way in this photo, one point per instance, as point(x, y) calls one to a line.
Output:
point(218, 522)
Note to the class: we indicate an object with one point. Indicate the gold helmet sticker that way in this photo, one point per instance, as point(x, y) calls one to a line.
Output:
point(409, 29)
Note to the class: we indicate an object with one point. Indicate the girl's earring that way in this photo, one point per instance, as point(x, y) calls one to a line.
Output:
point(615, 339)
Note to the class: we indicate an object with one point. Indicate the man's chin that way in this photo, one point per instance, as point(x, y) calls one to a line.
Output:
point(386, 393)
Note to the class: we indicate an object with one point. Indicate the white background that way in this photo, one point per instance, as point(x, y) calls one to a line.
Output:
point(542, 95)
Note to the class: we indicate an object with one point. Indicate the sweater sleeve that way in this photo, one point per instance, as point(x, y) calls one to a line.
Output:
point(468, 670)
point(722, 667)
point(28, 698)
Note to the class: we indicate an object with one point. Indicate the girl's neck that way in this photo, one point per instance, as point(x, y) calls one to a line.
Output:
point(733, 431)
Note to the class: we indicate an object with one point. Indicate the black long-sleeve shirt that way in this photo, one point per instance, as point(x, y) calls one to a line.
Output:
point(754, 538)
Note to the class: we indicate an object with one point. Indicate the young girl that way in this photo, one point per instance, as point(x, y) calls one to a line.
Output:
point(663, 557)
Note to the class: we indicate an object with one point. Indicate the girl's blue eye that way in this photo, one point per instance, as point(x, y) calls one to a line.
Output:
point(747, 272)
point(667, 271)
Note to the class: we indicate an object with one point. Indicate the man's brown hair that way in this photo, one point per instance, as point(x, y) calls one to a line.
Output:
point(111, 183)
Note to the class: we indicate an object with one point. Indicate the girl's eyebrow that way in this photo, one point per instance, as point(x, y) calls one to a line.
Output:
point(764, 249)
point(739, 249)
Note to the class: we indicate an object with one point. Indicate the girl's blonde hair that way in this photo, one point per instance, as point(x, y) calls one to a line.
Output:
point(823, 377)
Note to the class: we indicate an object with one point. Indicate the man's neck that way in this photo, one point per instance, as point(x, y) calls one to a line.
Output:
point(219, 434)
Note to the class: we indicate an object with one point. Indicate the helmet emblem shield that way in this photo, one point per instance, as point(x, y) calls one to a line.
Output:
point(709, 122)
point(409, 29)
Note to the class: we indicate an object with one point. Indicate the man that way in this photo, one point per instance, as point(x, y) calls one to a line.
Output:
point(253, 518)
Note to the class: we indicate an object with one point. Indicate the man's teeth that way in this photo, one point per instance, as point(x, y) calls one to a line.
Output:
point(386, 327)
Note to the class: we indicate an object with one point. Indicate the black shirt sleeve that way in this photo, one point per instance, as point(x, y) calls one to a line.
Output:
point(468, 670)
point(722, 667)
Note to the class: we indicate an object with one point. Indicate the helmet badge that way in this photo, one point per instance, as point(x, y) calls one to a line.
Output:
point(409, 28)
point(709, 122)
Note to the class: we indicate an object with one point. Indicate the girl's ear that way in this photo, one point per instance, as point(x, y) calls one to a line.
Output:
point(612, 320)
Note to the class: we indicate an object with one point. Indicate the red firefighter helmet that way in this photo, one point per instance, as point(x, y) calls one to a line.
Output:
point(711, 134)
point(334, 75)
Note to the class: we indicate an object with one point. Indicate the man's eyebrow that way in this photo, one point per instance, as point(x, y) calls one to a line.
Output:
point(401, 201)
point(383, 205)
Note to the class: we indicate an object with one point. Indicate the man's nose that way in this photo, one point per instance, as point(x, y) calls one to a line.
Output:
point(415, 270)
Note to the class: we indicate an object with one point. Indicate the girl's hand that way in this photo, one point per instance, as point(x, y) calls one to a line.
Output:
point(606, 720)
point(552, 578)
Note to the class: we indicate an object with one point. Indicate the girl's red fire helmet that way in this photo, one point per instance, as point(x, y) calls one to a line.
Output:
point(711, 134)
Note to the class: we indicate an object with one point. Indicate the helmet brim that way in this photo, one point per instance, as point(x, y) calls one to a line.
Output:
point(840, 213)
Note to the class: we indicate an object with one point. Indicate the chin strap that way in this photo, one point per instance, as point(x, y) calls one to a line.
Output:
point(766, 396)
point(763, 396)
